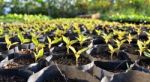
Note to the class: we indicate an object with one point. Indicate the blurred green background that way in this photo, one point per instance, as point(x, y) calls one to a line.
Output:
point(72, 8)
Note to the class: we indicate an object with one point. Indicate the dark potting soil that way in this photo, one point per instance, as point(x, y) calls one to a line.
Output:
point(24, 61)
point(11, 65)
point(130, 49)
point(25, 52)
point(145, 63)
point(12, 79)
point(104, 56)
point(70, 60)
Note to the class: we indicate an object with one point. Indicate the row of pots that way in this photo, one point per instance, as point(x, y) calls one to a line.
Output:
point(91, 72)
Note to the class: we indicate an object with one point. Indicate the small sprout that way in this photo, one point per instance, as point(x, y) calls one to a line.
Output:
point(112, 50)
point(78, 53)
point(107, 37)
point(51, 42)
point(120, 34)
point(22, 39)
point(119, 43)
point(81, 38)
point(8, 42)
point(68, 42)
point(39, 54)
point(141, 46)
point(59, 32)
point(129, 38)
point(37, 44)
point(139, 31)
point(98, 32)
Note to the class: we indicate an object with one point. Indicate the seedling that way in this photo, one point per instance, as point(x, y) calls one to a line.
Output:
point(98, 32)
point(119, 43)
point(39, 54)
point(81, 38)
point(129, 38)
point(76, 28)
point(120, 34)
point(8, 42)
point(51, 42)
point(37, 44)
point(112, 50)
point(107, 37)
point(59, 32)
point(78, 53)
point(68, 42)
point(22, 39)
point(141, 46)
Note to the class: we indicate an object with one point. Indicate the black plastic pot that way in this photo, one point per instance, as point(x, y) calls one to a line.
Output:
point(81, 67)
point(131, 76)
point(101, 52)
point(98, 40)
point(25, 46)
point(14, 75)
point(42, 38)
point(113, 66)
point(32, 46)
point(60, 73)
point(143, 65)
point(2, 39)
point(34, 67)
point(8, 53)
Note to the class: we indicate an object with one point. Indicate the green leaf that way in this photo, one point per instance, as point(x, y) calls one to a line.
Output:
point(73, 42)
point(26, 40)
point(66, 40)
point(21, 38)
point(110, 47)
point(82, 50)
point(35, 41)
point(49, 42)
point(73, 49)
point(147, 54)
point(8, 42)
point(56, 40)
point(40, 54)
point(140, 44)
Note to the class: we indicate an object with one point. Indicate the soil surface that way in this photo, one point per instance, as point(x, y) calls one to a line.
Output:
point(145, 63)
point(70, 60)
point(12, 79)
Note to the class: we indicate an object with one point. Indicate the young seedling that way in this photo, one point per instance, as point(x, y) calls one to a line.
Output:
point(112, 50)
point(8, 42)
point(107, 37)
point(76, 28)
point(59, 32)
point(129, 38)
point(120, 34)
point(38, 54)
point(37, 44)
point(68, 42)
point(22, 39)
point(99, 32)
point(141, 46)
point(51, 42)
point(78, 53)
point(81, 38)
point(119, 43)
